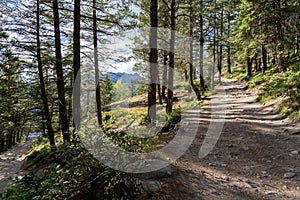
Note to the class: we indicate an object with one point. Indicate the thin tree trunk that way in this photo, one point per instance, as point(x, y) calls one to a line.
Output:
point(159, 90)
point(202, 83)
point(97, 80)
point(169, 105)
point(186, 76)
point(153, 62)
point(42, 83)
point(212, 83)
point(191, 61)
point(60, 77)
point(228, 46)
point(76, 63)
point(221, 46)
point(256, 65)
point(264, 58)
point(228, 60)
point(212, 75)
point(249, 67)
point(280, 37)
point(165, 75)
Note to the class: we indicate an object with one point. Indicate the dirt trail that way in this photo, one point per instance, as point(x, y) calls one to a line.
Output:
point(256, 149)
point(10, 164)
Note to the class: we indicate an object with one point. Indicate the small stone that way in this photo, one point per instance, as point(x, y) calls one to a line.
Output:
point(295, 152)
point(273, 193)
point(264, 172)
point(245, 148)
point(223, 165)
point(152, 185)
point(289, 175)
point(269, 161)
point(295, 133)
point(285, 187)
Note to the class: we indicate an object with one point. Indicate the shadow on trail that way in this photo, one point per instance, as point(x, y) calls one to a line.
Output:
point(249, 159)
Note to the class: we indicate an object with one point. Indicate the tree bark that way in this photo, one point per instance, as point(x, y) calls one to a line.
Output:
point(169, 105)
point(159, 90)
point(202, 83)
point(264, 58)
point(256, 65)
point(60, 76)
point(228, 46)
point(165, 75)
point(249, 67)
point(42, 83)
point(280, 37)
point(153, 62)
point(191, 61)
point(96, 64)
point(212, 81)
point(221, 45)
point(76, 63)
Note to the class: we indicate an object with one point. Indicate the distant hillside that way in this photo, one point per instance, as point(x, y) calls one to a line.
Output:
point(130, 80)
point(126, 78)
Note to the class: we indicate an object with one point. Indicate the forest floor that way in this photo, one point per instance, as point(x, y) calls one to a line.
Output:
point(256, 157)
point(11, 164)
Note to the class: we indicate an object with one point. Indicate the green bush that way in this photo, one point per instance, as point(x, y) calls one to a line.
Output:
point(75, 174)
point(131, 143)
point(173, 118)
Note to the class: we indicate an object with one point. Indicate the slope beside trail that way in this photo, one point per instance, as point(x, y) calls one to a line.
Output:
point(256, 150)
point(11, 164)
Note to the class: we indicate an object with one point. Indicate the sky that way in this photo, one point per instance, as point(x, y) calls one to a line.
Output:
point(121, 47)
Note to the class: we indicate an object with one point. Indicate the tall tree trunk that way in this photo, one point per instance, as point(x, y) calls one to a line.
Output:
point(169, 105)
point(212, 82)
point(212, 75)
point(228, 59)
point(202, 83)
point(76, 63)
point(60, 77)
point(96, 64)
point(228, 45)
point(280, 37)
point(221, 45)
point(159, 90)
point(186, 76)
point(256, 65)
point(153, 62)
point(264, 58)
point(249, 67)
point(165, 75)
point(41, 79)
point(191, 61)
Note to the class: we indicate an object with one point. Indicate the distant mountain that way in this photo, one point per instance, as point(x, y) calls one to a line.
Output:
point(126, 78)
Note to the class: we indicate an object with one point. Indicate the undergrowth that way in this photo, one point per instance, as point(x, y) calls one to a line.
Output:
point(71, 173)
